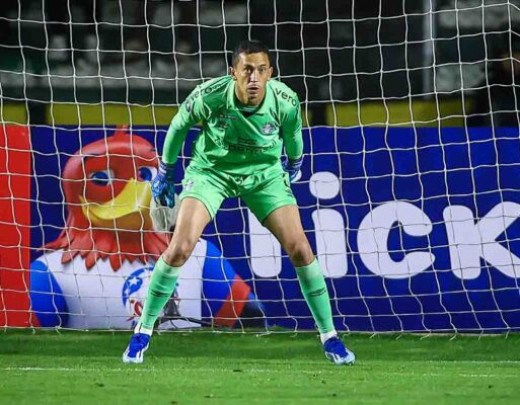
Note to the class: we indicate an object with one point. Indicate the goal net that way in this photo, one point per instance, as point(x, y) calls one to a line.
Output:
point(409, 192)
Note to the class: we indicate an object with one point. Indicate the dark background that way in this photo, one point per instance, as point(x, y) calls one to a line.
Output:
point(339, 51)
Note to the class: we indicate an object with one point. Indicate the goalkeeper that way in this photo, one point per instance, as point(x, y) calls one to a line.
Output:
point(246, 121)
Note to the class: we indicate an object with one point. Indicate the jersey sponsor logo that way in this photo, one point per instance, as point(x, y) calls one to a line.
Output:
point(235, 147)
point(198, 92)
point(284, 96)
point(222, 123)
point(246, 141)
point(223, 119)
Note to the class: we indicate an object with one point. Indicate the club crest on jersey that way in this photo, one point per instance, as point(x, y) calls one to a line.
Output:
point(268, 128)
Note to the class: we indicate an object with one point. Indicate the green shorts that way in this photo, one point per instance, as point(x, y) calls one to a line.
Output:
point(261, 192)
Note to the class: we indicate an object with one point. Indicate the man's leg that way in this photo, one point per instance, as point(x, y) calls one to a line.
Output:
point(192, 218)
point(285, 224)
point(191, 221)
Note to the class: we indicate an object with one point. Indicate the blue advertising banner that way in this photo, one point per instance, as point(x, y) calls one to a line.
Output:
point(415, 230)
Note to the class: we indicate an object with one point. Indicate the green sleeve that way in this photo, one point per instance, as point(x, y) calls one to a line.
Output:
point(193, 110)
point(292, 133)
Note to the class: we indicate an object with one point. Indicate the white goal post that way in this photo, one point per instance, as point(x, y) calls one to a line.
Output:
point(409, 193)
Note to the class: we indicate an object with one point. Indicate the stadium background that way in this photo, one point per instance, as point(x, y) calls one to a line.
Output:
point(425, 59)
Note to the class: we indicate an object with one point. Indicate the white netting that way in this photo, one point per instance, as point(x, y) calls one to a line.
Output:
point(409, 192)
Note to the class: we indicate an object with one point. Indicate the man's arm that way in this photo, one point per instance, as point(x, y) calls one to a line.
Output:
point(292, 133)
point(293, 141)
point(191, 111)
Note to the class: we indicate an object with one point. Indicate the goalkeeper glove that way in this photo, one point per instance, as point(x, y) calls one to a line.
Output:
point(163, 187)
point(163, 218)
point(292, 167)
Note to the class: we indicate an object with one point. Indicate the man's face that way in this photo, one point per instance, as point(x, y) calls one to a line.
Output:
point(251, 72)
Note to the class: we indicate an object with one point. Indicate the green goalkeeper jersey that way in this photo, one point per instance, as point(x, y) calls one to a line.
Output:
point(233, 139)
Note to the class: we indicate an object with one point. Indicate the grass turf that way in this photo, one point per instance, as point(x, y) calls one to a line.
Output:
point(217, 368)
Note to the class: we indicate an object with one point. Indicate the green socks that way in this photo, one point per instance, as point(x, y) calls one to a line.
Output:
point(164, 279)
point(316, 295)
point(162, 284)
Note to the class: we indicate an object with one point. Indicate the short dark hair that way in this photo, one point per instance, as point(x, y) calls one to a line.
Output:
point(248, 47)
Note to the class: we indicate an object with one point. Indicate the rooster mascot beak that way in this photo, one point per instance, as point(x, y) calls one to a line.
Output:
point(129, 210)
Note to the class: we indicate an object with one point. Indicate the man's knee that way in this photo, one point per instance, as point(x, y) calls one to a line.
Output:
point(299, 252)
point(178, 252)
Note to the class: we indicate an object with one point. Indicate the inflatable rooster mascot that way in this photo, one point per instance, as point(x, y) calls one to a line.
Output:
point(95, 274)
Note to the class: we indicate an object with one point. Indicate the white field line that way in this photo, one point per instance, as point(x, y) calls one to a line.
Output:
point(250, 370)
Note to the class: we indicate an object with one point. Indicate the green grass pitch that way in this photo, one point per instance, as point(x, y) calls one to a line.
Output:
point(281, 368)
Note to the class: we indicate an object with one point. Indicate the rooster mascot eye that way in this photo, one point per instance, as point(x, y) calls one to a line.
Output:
point(102, 178)
point(147, 173)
